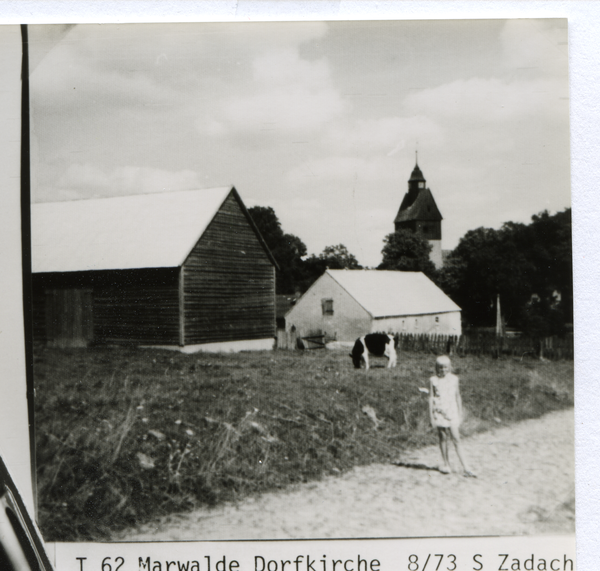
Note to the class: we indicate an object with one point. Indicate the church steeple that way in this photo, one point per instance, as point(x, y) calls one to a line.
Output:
point(416, 182)
point(417, 176)
point(419, 213)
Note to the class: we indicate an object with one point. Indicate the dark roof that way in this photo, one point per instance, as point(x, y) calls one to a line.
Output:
point(417, 174)
point(423, 207)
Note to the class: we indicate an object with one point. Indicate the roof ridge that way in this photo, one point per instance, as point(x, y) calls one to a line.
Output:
point(158, 193)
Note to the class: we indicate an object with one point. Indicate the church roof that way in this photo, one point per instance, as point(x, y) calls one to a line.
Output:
point(417, 174)
point(423, 207)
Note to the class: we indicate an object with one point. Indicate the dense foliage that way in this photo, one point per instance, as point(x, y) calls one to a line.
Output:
point(332, 257)
point(407, 252)
point(287, 249)
point(528, 266)
point(296, 273)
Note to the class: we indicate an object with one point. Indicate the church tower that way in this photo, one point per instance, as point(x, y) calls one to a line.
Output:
point(419, 214)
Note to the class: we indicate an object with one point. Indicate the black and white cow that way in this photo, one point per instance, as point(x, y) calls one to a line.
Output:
point(377, 345)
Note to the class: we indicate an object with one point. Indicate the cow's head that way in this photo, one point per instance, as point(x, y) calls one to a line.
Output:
point(355, 360)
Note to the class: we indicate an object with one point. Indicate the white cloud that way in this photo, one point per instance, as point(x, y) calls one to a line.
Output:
point(67, 79)
point(287, 94)
point(483, 101)
point(386, 135)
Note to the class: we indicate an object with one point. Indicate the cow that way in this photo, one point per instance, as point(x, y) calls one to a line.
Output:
point(377, 345)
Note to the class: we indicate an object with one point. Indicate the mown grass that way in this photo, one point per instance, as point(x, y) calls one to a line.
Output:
point(127, 435)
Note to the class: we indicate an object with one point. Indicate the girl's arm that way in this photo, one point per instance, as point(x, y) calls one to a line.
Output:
point(459, 400)
point(431, 402)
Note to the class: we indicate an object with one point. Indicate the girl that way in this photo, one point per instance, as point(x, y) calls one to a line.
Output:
point(445, 412)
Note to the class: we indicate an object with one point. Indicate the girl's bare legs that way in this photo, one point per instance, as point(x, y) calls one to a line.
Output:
point(443, 437)
point(456, 439)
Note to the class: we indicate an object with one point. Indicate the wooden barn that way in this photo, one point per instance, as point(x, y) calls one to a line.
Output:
point(345, 304)
point(185, 270)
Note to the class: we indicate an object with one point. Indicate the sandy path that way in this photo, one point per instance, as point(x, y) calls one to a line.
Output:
point(525, 485)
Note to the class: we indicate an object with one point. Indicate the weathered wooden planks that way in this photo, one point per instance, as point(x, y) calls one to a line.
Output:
point(229, 282)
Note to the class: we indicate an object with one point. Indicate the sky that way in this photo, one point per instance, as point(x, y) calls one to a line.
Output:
point(319, 120)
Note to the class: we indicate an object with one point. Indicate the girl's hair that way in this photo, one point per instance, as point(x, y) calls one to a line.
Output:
point(443, 360)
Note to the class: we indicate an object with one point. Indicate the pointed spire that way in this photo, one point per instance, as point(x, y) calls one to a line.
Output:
point(417, 174)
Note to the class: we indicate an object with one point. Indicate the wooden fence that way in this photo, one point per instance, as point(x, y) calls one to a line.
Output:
point(488, 344)
point(552, 348)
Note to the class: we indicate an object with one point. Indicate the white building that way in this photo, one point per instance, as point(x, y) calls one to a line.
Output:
point(345, 304)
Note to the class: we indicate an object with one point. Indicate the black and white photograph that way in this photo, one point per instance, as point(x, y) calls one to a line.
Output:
point(302, 280)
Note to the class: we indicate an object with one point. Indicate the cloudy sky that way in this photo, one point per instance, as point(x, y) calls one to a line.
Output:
point(318, 120)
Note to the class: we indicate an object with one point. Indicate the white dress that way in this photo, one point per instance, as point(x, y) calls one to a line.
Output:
point(443, 401)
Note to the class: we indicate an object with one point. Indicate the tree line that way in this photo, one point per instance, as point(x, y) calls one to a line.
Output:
point(529, 266)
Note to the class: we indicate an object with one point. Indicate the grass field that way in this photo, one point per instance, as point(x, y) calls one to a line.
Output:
point(126, 435)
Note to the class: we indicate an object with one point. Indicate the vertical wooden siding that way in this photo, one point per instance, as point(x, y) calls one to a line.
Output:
point(229, 282)
point(139, 315)
point(69, 317)
point(128, 306)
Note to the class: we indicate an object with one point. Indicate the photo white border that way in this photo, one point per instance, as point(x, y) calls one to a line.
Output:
point(584, 73)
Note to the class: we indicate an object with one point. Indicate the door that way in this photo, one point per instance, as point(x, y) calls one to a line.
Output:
point(69, 317)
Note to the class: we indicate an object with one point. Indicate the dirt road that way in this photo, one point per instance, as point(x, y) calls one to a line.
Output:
point(525, 485)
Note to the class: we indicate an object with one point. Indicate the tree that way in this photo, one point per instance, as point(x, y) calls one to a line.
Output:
point(407, 252)
point(487, 263)
point(333, 257)
point(529, 266)
point(552, 253)
point(287, 249)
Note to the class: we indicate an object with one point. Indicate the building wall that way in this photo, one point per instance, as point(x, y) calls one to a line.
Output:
point(429, 229)
point(228, 283)
point(349, 319)
point(135, 315)
point(434, 323)
point(68, 317)
point(120, 306)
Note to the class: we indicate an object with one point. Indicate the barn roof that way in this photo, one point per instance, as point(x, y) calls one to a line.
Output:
point(387, 293)
point(155, 230)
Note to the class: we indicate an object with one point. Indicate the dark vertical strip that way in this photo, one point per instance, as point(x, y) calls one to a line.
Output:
point(181, 307)
point(26, 251)
point(272, 285)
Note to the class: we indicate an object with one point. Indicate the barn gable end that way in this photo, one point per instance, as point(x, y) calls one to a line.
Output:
point(228, 281)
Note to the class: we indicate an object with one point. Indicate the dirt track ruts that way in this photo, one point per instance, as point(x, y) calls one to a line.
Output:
point(525, 485)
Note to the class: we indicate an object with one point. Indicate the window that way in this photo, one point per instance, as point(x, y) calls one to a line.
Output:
point(327, 306)
point(421, 185)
